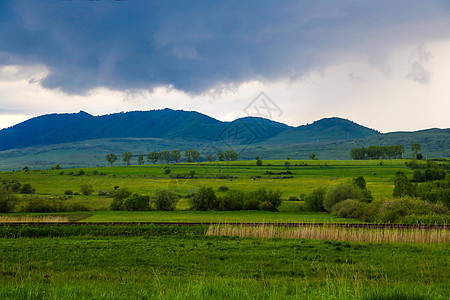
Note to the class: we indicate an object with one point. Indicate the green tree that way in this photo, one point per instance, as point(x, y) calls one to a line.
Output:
point(259, 162)
point(209, 158)
point(191, 155)
point(136, 202)
point(313, 156)
point(140, 159)
point(415, 149)
point(27, 189)
point(86, 189)
point(314, 200)
point(152, 157)
point(175, 155)
point(126, 157)
point(402, 186)
point(119, 196)
point(204, 199)
point(164, 156)
point(7, 199)
point(287, 165)
point(338, 193)
point(111, 158)
point(230, 155)
point(165, 199)
point(220, 156)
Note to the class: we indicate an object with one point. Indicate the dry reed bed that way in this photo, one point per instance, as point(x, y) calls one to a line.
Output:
point(33, 219)
point(334, 233)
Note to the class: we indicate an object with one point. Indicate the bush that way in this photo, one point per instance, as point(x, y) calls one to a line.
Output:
point(167, 170)
point(77, 206)
point(42, 205)
point(338, 193)
point(204, 199)
point(262, 195)
point(165, 199)
point(95, 172)
point(103, 193)
point(27, 189)
point(266, 205)
point(223, 188)
point(68, 192)
point(80, 172)
point(118, 196)
point(233, 200)
point(350, 208)
point(259, 162)
point(136, 202)
point(293, 198)
point(7, 199)
point(86, 189)
point(314, 201)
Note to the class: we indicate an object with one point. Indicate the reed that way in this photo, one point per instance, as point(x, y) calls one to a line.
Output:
point(33, 219)
point(330, 232)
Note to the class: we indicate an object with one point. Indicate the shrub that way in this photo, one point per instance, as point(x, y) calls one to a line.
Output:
point(349, 208)
point(7, 199)
point(41, 205)
point(293, 198)
point(27, 189)
point(12, 186)
point(233, 200)
point(263, 195)
point(136, 202)
point(86, 189)
point(167, 170)
point(103, 193)
point(204, 199)
point(314, 201)
point(95, 172)
point(165, 199)
point(68, 192)
point(402, 186)
point(80, 172)
point(223, 188)
point(77, 206)
point(338, 193)
point(118, 196)
point(259, 162)
point(266, 205)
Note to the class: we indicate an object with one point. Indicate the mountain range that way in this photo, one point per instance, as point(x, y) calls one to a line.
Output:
point(172, 124)
point(80, 139)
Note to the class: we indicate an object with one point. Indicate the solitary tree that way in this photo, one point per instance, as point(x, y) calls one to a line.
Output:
point(140, 159)
point(287, 165)
point(175, 155)
point(111, 158)
point(313, 156)
point(126, 157)
point(415, 149)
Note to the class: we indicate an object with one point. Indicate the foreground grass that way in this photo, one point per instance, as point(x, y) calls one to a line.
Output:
point(199, 267)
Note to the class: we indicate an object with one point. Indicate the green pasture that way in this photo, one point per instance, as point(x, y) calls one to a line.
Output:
point(200, 267)
point(144, 179)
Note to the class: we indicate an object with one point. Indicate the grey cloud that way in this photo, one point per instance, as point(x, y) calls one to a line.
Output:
point(198, 45)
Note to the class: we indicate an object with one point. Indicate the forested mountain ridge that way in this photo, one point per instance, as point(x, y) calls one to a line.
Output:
point(171, 124)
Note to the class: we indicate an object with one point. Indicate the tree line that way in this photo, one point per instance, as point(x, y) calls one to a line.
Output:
point(378, 152)
point(175, 156)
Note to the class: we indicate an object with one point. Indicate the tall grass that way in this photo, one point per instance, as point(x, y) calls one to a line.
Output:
point(34, 219)
point(330, 232)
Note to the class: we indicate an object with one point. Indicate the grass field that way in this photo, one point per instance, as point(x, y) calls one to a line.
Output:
point(115, 266)
point(144, 179)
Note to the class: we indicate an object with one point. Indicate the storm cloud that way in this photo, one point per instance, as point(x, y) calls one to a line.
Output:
point(196, 46)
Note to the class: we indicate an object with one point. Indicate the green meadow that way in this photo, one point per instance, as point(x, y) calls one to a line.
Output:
point(148, 263)
point(301, 177)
